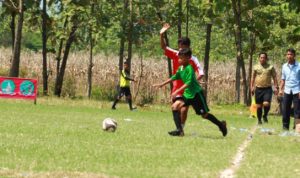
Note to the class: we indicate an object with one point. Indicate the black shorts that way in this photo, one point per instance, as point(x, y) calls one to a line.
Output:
point(177, 98)
point(198, 102)
point(124, 91)
point(263, 95)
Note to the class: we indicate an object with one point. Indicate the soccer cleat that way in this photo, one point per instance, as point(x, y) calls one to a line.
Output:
point(265, 119)
point(113, 108)
point(176, 133)
point(223, 128)
point(259, 122)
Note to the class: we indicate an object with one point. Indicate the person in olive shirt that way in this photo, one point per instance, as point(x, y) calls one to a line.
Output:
point(192, 95)
point(261, 86)
point(124, 87)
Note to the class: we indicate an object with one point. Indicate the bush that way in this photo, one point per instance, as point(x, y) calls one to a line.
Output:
point(104, 93)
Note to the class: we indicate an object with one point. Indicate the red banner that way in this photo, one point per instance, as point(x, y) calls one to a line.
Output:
point(12, 87)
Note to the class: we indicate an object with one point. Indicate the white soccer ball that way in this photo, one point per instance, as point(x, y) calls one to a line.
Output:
point(109, 125)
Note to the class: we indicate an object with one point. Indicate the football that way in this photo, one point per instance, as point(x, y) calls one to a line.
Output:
point(109, 125)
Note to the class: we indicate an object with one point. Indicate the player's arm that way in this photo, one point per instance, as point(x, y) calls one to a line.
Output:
point(281, 87)
point(198, 68)
point(163, 84)
point(175, 93)
point(252, 86)
point(282, 82)
point(163, 44)
point(126, 77)
point(276, 86)
point(174, 77)
point(189, 76)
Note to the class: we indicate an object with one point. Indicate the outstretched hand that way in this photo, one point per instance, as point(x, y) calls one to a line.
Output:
point(157, 85)
point(165, 27)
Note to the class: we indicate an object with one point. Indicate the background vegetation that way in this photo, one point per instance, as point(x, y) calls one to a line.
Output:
point(229, 33)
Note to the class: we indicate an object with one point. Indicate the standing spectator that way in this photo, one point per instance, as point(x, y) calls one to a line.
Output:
point(261, 86)
point(290, 88)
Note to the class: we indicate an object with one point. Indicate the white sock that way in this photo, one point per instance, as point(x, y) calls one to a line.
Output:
point(182, 125)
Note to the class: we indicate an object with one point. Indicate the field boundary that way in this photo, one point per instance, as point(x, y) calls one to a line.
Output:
point(239, 157)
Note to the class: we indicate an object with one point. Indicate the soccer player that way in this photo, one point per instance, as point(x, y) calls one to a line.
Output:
point(124, 87)
point(290, 88)
point(173, 55)
point(261, 86)
point(192, 95)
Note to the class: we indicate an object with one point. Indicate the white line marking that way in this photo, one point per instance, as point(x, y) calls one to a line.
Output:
point(238, 158)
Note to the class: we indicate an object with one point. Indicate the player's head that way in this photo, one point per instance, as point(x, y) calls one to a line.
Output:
point(290, 54)
point(126, 65)
point(184, 56)
point(184, 42)
point(263, 57)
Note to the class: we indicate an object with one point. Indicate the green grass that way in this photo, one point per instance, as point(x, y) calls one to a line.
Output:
point(60, 137)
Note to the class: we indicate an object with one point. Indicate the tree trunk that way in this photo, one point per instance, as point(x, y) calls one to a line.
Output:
point(44, 39)
point(236, 5)
point(130, 33)
point(122, 39)
point(14, 70)
point(179, 18)
point(207, 50)
point(13, 30)
point(252, 51)
point(89, 91)
point(60, 77)
point(187, 17)
point(58, 55)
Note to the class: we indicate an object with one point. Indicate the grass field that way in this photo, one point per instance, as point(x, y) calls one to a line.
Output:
point(63, 138)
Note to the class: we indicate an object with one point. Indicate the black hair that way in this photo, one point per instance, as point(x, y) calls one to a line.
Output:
point(184, 41)
point(264, 54)
point(185, 52)
point(292, 50)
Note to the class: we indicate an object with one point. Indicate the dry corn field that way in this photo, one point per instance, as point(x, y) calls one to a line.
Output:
point(221, 83)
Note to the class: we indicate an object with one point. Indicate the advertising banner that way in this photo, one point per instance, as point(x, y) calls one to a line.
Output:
point(22, 88)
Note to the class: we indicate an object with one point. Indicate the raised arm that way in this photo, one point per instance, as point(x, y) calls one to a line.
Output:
point(163, 44)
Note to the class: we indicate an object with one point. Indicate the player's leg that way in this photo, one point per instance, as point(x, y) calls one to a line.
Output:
point(286, 111)
point(183, 113)
point(200, 106)
point(128, 97)
point(259, 104)
point(177, 104)
point(118, 97)
point(267, 103)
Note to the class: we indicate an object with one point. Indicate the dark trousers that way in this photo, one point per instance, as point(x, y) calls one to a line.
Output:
point(288, 99)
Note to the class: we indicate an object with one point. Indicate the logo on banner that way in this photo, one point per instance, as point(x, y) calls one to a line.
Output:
point(8, 87)
point(27, 88)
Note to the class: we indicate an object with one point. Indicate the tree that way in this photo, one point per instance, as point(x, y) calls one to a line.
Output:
point(14, 69)
point(236, 6)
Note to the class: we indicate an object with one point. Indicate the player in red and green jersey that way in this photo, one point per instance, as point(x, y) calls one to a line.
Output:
point(192, 94)
point(183, 42)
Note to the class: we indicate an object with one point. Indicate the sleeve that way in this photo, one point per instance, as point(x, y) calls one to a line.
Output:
point(171, 53)
point(176, 76)
point(197, 66)
point(283, 76)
